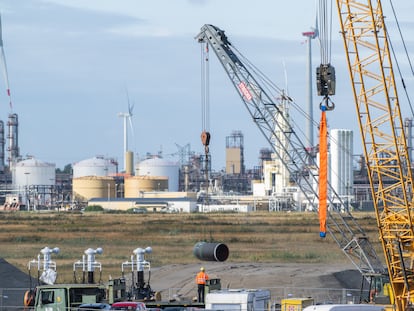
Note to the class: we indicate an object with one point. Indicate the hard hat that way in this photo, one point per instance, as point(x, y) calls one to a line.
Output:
point(202, 269)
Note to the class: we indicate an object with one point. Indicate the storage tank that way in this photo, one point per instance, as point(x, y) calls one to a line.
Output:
point(97, 166)
point(160, 167)
point(135, 184)
point(87, 187)
point(33, 172)
point(342, 176)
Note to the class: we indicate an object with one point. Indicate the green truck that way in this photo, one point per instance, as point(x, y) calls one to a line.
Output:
point(62, 297)
point(68, 297)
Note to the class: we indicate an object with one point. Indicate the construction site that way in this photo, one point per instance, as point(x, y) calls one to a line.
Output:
point(307, 166)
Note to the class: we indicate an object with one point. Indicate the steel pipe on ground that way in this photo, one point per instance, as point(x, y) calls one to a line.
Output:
point(211, 251)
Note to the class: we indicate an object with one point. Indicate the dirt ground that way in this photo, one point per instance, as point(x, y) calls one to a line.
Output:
point(179, 280)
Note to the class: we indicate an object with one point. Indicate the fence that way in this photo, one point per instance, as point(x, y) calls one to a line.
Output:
point(319, 295)
point(11, 299)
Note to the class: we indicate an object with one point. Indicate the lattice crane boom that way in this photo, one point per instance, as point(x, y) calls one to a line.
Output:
point(382, 129)
point(288, 147)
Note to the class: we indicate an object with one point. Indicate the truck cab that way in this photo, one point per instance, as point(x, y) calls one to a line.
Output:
point(67, 297)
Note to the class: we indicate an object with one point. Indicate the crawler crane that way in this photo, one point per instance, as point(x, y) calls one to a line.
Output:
point(253, 89)
point(367, 49)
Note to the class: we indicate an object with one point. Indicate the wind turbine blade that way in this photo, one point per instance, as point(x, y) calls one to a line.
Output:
point(316, 28)
point(3, 65)
point(131, 126)
point(130, 109)
point(1, 33)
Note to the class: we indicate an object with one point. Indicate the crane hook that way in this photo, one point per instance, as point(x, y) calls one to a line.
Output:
point(326, 104)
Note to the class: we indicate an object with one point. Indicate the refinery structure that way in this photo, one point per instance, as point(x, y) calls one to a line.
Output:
point(286, 177)
point(295, 172)
point(158, 184)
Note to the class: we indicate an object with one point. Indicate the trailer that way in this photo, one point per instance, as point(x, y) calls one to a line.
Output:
point(239, 300)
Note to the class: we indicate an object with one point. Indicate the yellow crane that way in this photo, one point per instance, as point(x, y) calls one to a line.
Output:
point(382, 129)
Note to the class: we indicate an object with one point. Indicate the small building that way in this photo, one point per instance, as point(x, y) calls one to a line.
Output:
point(239, 208)
point(160, 205)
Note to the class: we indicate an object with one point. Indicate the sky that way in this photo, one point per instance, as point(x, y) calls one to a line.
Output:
point(74, 65)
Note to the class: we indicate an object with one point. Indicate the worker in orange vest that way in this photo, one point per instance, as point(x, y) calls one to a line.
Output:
point(201, 279)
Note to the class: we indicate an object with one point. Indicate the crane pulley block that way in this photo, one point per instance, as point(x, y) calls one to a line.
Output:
point(325, 80)
point(205, 138)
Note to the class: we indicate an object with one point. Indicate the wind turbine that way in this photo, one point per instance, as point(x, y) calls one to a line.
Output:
point(127, 119)
point(310, 35)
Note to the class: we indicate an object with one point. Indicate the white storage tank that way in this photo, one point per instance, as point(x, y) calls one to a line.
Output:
point(160, 167)
point(34, 172)
point(341, 146)
point(96, 166)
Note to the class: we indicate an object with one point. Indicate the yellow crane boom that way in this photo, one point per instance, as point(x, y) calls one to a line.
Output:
point(382, 129)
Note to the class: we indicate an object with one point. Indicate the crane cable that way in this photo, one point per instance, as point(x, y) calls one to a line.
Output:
point(396, 60)
point(270, 87)
point(402, 38)
point(326, 87)
point(325, 32)
point(205, 87)
point(205, 113)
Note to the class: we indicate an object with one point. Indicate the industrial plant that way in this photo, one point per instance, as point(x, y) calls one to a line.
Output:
point(286, 177)
point(158, 184)
point(305, 166)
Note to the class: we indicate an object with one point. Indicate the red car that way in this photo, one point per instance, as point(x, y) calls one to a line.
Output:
point(129, 306)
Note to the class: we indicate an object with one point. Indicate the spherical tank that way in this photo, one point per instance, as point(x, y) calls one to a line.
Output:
point(97, 166)
point(341, 142)
point(34, 172)
point(87, 187)
point(160, 167)
point(134, 185)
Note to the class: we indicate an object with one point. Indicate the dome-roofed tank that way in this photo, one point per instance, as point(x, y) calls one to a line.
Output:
point(32, 171)
point(159, 167)
point(96, 166)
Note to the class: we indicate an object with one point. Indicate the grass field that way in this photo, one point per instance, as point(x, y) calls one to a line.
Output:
point(254, 237)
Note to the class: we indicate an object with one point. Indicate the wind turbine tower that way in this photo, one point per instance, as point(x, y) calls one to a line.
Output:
point(128, 155)
point(312, 34)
